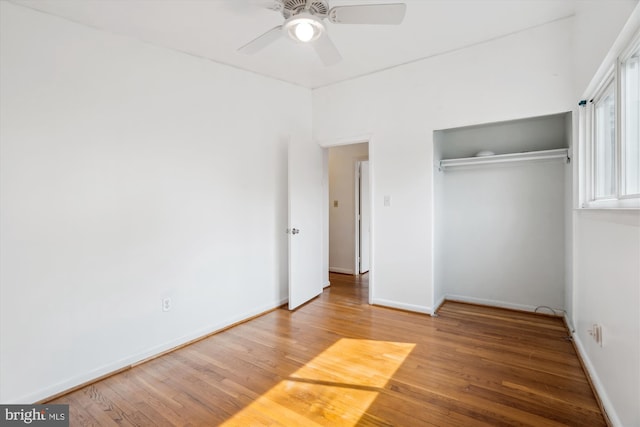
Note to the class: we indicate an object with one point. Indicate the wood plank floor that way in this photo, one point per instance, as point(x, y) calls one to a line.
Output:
point(338, 361)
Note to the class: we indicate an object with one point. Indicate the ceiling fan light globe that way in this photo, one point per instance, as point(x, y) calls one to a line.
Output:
point(303, 27)
point(304, 31)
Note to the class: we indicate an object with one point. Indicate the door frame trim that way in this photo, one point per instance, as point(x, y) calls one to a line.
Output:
point(357, 218)
point(358, 139)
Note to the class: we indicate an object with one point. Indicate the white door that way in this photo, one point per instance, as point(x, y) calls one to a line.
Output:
point(365, 217)
point(305, 222)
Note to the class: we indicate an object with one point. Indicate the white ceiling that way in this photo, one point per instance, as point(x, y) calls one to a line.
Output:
point(214, 29)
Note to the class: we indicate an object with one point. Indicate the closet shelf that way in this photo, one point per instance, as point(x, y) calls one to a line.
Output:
point(561, 153)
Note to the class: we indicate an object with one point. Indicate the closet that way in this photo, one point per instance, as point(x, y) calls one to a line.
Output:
point(502, 213)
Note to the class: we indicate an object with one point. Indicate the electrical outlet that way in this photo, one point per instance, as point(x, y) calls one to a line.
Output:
point(166, 304)
point(596, 333)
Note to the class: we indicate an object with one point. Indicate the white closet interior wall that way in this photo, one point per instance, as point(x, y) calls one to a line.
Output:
point(500, 228)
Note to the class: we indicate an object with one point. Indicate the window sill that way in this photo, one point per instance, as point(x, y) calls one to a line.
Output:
point(619, 204)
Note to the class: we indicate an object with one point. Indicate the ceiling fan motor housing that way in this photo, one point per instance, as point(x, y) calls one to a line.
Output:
point(319, 8)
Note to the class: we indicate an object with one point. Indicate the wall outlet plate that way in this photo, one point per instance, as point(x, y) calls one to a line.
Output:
point(596, 333)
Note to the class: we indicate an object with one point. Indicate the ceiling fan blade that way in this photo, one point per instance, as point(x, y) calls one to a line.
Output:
point(385, 14)
point(262, 41)
point(326, 50)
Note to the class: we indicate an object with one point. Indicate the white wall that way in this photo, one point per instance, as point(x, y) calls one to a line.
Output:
point(607, 292)
point(522, 75)
point(568, 219)
point(131, 173)
point(503, 234)
point(439, 236)
point(342, 229)
point(606, 252)
point(325, 218)
point(596, 26)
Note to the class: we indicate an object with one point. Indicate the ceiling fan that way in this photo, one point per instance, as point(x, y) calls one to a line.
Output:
point(304, 23)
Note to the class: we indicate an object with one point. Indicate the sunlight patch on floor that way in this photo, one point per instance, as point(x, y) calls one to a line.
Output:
point(335, 388)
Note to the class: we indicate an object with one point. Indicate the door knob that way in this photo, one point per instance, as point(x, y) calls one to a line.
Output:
point(294, 231)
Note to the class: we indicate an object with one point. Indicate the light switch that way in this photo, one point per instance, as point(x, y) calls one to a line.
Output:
point(387, 201)
point(335, 203)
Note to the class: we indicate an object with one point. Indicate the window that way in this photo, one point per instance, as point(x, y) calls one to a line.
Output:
point(613, 136)
point(604, 146)
point(631, 125)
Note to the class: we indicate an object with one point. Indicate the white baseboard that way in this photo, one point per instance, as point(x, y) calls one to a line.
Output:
point(597, 383)
point(402, 306)
point(569, 323)
point(126, 362)
point(490, 302)
point(326, 284)
point(341, 270)
point(438, 303)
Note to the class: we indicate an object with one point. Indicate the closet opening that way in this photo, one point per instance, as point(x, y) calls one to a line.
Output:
point(502, 194)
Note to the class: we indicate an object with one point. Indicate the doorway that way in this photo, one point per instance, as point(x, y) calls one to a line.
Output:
point(349, 219)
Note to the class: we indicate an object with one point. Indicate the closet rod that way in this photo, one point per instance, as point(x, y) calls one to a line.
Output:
point(561, 153)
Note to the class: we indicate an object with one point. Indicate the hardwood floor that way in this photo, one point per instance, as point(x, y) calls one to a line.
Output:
point(338, 361)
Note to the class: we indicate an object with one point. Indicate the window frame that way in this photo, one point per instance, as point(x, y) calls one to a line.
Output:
point(611, 76)
point(608, 84)
point(626, 54)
